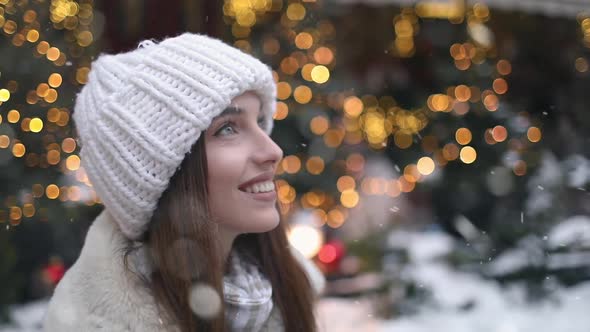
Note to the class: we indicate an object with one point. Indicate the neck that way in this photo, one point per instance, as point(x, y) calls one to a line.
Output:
point(226, 240)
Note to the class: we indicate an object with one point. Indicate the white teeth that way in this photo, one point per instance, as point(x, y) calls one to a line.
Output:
point(261, 187)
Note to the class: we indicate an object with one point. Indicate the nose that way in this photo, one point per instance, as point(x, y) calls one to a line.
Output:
point(266, 151)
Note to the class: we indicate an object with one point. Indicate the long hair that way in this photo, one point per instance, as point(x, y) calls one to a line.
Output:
point(184, 246)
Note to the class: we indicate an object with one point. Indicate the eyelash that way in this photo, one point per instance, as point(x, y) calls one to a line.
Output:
point(229, 123)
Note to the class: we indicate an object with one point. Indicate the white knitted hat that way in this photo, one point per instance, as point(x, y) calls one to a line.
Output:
point(141, 112)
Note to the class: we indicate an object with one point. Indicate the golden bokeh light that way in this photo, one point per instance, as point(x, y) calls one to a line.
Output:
point(333, 137)
point(499, 133)
point(353, 106)
point(32, 36)
point(13, 116)
point(323, 55)
point(315, 165)
point(4, 95)
point(534, 134)
point(463, 136)
point(302, 94)
point(289, 65)
point(468, 154)
point(18, 150)
point(36, 125)
point(54, 80)
point(319, 125)
point(53, 53)
point(4, 141)
point(320, 74)
point(53, 157)
point(283, 90)
point(581, 65)
point(355, 162)
point(42, 89)
point(73, 162)
point(306, 71)
point(462, 92)
point(504, 67)
point(295, 12)
point(402, 140)
point(425, 165)
point(500, 86)
point(282, 111)
point(450, 151)
point(291, 164)
point(349, 198)
point(304, 40)
point(491, 102)
point(52, 191)
point(345, 182)
point(82, 75)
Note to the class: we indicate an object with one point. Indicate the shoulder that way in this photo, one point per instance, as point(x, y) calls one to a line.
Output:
point(98, 292)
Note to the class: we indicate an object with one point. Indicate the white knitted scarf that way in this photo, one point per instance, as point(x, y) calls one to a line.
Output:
point(247, 295)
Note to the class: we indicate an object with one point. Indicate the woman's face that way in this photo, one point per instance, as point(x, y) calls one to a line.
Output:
point(241, 163)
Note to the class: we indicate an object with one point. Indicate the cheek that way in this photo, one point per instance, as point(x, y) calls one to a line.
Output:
point(224, 176)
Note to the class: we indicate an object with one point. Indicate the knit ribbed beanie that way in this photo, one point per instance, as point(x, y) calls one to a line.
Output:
point(141, 111)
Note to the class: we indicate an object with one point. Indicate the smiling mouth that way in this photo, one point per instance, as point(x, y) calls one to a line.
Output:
point(260, 187)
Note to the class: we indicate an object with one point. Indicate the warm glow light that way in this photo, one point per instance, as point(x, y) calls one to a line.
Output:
point(52, 191)
point(353, 106)
point(345, 182)
point(463, 136)
point(349, 198)
point(54, 80)
point(53, 53)
point(320, 74)
point(534, 134)
point(13, 116)
point(296, 12)
point(306, 239)
point(425, 165)
point(315, 165)
point(323, 55)
point(402, 140)
point(303, 40)
point(302, 94)
point(291, 164)
point(283, 90)
point(319, 125)
point(468, 154)
point(462, 93)
point(18, 150)
point(4, 95)
point(499, 133)
point(504, 67)
point(500, 86)
point(36, 125)
point(73, 162)
point(450, 151)
point(282, 111)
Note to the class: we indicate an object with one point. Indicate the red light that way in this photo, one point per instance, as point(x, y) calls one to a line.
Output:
point(327, 254)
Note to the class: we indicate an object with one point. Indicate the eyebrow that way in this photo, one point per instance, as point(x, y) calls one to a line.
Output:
point(235, 110)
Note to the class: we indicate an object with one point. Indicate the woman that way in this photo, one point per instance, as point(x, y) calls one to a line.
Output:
point(175, 139)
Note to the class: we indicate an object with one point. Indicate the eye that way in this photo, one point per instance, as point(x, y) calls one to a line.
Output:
point(226, 128)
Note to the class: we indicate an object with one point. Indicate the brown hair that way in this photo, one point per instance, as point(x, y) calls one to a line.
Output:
point(183, 244)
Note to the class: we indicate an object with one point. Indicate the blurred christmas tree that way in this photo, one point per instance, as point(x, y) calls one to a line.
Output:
point(461, 100)
point(43, 62)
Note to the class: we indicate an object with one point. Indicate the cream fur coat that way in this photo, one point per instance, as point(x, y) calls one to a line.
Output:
point(99, 294)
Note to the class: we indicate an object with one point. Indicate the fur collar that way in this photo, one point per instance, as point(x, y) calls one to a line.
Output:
point(98, 293)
